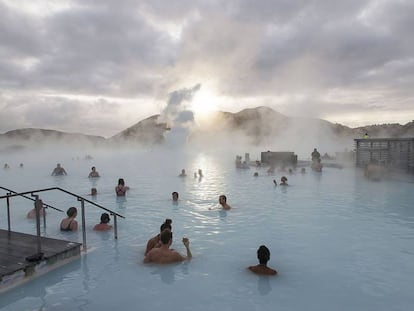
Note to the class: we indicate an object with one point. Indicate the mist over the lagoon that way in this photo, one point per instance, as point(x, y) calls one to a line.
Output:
point(252, 131)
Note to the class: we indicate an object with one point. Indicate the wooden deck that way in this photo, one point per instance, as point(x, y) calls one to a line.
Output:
point(15, 247)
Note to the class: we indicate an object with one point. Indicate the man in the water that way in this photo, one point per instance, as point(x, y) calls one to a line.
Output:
point(58, 171)
point(156, 240)
point(175, 196)
point(263, 254)
point(315, 155)
point(165, 255)
point(223, 202)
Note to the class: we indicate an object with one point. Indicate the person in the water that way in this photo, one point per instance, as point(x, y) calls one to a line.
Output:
point(58, 171)
point(93, 173)
point(104, 225)
point(69, 223)
point(165, 255)
point(121, 189)
point(223, 202)
point(155, 241)
point(39, 206)
point(174, 196)
point(263, 254)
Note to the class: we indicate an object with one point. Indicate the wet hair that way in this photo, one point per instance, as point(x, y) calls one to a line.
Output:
point(263, 254)
point(93, 167)
point(165, 236)
point(71, 211)
point(224, 197)
point(105, 218)
point(175, 193)
point(166, 225)
point(283, 178)
point(121, 181)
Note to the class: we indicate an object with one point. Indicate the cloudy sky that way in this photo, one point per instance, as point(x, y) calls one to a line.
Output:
point(99, 66)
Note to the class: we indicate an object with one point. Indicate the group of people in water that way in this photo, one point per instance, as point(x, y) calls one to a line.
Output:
point(70, 223)
point(158, 249)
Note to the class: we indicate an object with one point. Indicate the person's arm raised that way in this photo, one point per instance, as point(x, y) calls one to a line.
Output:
point(186, 243)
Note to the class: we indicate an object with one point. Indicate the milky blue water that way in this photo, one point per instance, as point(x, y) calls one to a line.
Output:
point(338, 241)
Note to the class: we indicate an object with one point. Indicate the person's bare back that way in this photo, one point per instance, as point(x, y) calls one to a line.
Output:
point(165, 255)
point(263, 270)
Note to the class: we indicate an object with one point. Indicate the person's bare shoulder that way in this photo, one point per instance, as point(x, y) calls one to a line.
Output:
point(149, 257)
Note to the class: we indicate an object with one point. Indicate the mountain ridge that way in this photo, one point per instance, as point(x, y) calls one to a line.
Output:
point(258, 125)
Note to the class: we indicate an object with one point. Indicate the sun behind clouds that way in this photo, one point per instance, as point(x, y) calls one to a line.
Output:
point(204, 103)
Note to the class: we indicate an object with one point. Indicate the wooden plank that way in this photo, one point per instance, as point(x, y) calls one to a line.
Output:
point(15, 247)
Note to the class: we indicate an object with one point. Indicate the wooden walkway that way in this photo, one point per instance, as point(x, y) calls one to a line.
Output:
point(16, 247)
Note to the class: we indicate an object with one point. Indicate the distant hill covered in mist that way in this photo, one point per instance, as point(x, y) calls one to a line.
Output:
point(260, 126)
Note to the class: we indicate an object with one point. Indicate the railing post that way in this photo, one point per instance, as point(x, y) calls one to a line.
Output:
point(39, 243)
point(83, 223)
point(8, 212)
point(115, 227)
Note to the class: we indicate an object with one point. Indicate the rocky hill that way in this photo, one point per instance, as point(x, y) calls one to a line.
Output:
point(31, 137)
point(261, 126)
point(147, 131)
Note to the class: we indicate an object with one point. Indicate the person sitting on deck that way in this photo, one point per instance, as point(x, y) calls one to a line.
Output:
point(155, 241)
point(103, 226)
point(263, 254)
point(93, 173)
point(165, 255)
point(69, 223)
point(39, 206)
point(121, 189)
point(58, 171)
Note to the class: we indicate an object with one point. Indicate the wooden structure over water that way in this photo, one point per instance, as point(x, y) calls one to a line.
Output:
point(20, 261)
point(25, 256)
point(395, 153)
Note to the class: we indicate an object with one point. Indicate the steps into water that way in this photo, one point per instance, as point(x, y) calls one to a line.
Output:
point(20, 261)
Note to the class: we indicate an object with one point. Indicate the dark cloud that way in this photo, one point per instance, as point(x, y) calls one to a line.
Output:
point(297, 51)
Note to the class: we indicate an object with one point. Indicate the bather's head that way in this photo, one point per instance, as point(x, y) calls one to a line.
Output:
point(105, 218)
point(166, 225)
point(72, 212)
point(166, 237)
point(263, 254)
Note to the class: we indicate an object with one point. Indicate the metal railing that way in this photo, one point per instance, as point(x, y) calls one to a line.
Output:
point(36, 200)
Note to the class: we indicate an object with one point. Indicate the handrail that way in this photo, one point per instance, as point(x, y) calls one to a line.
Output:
point(79, 198)
point(44, 204)
point(63, 190)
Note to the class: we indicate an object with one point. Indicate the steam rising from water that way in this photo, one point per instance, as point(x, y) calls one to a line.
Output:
point(177, 115)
